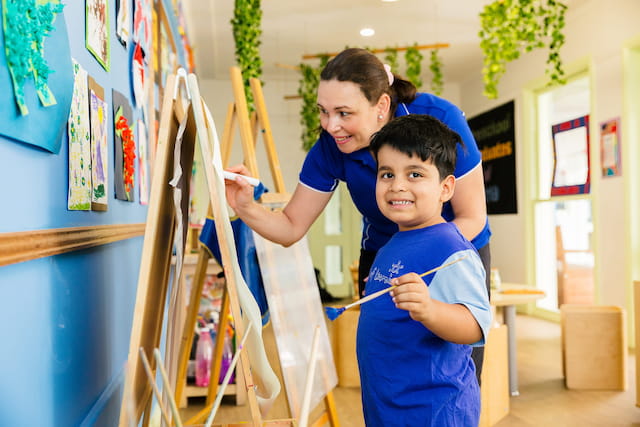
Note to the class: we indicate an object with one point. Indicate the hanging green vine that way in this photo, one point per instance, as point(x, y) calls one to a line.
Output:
point(413, 59)
point(509, 27)
point(437, 81)
point(391, 58)
point(246, 21)
point(308, 91)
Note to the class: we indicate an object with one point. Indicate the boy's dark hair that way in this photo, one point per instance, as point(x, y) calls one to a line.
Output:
point(367, 71)
point(420, 135)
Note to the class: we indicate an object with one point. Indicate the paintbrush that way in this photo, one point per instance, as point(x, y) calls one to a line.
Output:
point(334, 312)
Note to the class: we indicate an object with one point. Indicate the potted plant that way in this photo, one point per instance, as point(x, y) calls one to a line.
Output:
point(246, 21)
point(510, 27)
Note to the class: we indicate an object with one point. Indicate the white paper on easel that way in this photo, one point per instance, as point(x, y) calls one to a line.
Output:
point(295, 309)
point(266, 382)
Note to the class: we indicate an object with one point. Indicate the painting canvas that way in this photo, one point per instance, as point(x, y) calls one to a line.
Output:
point(97, 30)
point(98, 113)
point(79, 197)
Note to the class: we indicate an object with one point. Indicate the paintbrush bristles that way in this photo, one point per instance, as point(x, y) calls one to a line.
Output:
point(334, 312)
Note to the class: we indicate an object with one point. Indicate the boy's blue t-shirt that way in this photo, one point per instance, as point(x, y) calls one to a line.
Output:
point(408, 375)
point(325, 166)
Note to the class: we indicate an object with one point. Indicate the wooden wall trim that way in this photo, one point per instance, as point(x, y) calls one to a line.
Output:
point(27, 245)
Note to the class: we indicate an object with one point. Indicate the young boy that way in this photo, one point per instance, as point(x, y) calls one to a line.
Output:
point(414, 345)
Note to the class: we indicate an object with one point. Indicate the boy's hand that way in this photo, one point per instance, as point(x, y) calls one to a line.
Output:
point(412, 294)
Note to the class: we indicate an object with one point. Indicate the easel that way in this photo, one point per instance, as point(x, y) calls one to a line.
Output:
point(249, 129)
point(159, 243)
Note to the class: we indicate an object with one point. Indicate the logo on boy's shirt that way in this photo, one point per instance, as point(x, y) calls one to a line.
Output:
point(393, 272)
point(396, 267)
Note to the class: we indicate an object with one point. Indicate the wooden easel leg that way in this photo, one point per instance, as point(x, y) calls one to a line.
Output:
point(262, 121)
point(216, 362)
point(186, 341)
point(227, 134)
point(331, 409)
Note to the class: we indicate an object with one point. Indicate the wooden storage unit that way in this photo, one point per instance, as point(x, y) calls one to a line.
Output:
point(494, 391)
point(594, 347)
point(344, 330)
point(636, 309)
point(192, 390)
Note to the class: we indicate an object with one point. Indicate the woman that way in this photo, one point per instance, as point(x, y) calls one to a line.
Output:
point(357, 95)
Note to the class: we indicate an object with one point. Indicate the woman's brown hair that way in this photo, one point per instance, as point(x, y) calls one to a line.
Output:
point(367, 71)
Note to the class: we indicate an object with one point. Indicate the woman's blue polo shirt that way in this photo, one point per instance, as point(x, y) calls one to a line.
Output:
point(325, 165)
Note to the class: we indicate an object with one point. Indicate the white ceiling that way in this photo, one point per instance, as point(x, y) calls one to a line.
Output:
point(292, 28)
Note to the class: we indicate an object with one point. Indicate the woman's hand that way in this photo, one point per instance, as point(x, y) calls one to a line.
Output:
point(239, 192)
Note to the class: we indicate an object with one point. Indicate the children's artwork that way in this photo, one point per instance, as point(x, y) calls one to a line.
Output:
point(26, 24)
point(125, 148)
point(79, 197)
point(98, 116)
point(123, 26)
point(123, 23)
point(186, 46)
point(571, 173)
point(164, 56)
point(610, 148)
point(36, 74)
point(97, 30)
point(138, 76)
point(143, 175)
point(142, 24)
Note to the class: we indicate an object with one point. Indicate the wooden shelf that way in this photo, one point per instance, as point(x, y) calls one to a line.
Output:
point(194, 391)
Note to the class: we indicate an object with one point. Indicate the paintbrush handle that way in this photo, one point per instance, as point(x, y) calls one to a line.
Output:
point(426, 273)
point(369, 297)
point(386, 290)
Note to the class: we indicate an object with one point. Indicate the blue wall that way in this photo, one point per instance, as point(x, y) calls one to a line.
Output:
point(65, 320)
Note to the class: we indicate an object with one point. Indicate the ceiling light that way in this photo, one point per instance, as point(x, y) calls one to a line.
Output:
point(367, 32)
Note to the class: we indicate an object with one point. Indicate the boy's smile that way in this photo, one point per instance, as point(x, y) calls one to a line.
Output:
point(409, 191)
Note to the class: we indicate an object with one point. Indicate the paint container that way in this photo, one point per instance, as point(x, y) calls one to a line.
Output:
point(204, 354)
point(227, 357)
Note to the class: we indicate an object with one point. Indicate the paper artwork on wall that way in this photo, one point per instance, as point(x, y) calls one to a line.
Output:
point(123, 25)
point(79, 129)
point(143, 175)
point(571, 174)
point(164, 56)
point(36, 74)
point(97, 30)
point(125, 148)
point(138, 77)
point(26, 24)
point(610, 148)
point(142, 24)
point(98, 113)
